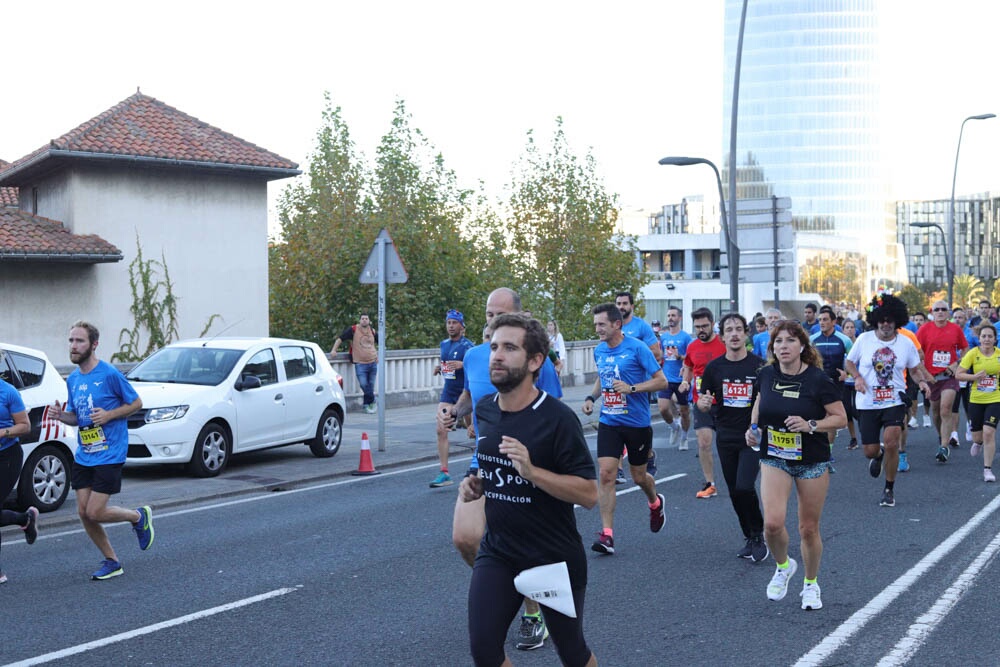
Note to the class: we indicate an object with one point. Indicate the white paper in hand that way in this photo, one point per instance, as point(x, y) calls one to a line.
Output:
point(548, 585)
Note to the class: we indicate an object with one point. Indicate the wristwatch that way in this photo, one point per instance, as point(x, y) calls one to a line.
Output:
point(631, 389)
point(812, 425)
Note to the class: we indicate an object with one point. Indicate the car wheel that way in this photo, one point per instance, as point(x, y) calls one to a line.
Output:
point(211, 451)
point(45, 479)
point(329, 433)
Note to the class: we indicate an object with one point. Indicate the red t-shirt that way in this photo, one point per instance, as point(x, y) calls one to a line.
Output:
point(699, 354)
point(942, 345)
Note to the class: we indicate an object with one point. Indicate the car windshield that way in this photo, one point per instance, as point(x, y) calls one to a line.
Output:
point(186, 365)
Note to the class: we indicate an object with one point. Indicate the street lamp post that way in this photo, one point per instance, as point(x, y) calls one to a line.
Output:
point(731, 249)
point(949, 267)
point(951, 208)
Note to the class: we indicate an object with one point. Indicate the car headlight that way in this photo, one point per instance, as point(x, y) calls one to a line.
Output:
point(166, 414)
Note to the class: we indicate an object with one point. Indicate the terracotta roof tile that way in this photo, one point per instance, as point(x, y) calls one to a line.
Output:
point(142, 126)
point(24, 234)
point(8, 196)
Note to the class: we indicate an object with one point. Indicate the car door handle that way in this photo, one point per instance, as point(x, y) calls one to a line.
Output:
point(319, 389)
point(279, 397)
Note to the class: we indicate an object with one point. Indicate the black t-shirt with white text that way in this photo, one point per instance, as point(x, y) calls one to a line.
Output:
point(525, 526)
point(804, 395)
point(734, 386)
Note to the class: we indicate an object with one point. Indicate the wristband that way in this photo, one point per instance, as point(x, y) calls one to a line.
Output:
point(589, 398)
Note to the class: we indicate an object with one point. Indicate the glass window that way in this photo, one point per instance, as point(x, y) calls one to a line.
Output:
point(263, 366)
point(299, 361)
point(30, 369)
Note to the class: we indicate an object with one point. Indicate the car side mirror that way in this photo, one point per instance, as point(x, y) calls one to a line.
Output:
point(247, 382)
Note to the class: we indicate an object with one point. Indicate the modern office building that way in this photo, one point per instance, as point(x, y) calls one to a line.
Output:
point(809, 122)
point(977, 238)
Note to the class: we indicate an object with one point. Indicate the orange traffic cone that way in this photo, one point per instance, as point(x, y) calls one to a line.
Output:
point(365, 466)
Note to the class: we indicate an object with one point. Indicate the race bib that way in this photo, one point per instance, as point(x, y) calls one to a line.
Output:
point(883, 394)
point(941, 358)
point(614, 403)
point(736, 395)
point(670, 353)
point(447, 372)
point(93, 439)
point(784, 445)
point(697, 384)
point(987, 384)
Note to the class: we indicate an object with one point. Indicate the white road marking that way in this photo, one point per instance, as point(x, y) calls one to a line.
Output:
point(149, 629)
point(819, 653)
point(924, 625)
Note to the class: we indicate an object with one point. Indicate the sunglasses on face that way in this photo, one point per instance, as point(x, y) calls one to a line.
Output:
point(940, 309)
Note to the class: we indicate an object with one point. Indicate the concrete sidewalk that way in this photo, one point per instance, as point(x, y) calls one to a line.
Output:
point(410, 438)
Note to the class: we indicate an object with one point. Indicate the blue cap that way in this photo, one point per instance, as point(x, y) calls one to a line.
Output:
point(455, 315)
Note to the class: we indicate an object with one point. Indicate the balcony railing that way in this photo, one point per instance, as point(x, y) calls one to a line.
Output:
point(679, 275)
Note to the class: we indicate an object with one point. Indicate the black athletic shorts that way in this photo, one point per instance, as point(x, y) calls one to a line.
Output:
point(637, 440)
point(873, 421)
point(102, 479)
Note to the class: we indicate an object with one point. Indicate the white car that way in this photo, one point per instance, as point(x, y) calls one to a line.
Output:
point(204, 400)
point(49, 448)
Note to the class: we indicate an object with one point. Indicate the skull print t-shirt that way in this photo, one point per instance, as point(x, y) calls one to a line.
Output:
point(881, 364)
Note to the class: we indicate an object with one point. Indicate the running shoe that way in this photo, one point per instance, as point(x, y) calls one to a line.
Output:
point(968, 434)
point(810, 597)
point(988, 475)
point(875, 465)
point(3, 578)
point(443, 479)
point(976, 449)
point(675, 434)
point(532, 633)
point(913, 423)
point(707, 491)
point(109, 568)
point(927, 421)
point(888, 500)
point(604, 544)
point(953, 440)
point(144, 527)
point(657, 517)
point(31, 528)
point(758, 549)
point(853, 444)
point(747, 550)
point(942, 454)
point(904, 462)
point(778, 586)
point(651, 462)
point(682, 442)
point(620, 479)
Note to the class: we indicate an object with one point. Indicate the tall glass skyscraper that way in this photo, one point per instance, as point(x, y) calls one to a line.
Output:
point(809, 117)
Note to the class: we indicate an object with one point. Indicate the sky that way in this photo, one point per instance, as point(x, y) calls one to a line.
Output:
point(633, 82)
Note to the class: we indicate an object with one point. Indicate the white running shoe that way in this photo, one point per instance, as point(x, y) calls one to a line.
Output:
point(778, 586)
point(976, 449)
point(913, 422)
point(675, 434)
point(988, 475)
point(810, 597)
point(682, 443)
point(927, 421)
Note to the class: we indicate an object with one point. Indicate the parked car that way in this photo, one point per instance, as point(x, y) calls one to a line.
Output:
point(49, 448)
point(204, 400)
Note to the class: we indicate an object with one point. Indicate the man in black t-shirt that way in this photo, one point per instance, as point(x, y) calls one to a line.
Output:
point(534, 465)
point(728, 389)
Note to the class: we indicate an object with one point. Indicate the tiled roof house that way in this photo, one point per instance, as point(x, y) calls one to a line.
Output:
point(141, 172)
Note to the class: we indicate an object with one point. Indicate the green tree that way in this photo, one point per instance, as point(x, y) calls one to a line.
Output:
point(562, 246)
point(835, 278)
point(967, 290)
point(916, 299)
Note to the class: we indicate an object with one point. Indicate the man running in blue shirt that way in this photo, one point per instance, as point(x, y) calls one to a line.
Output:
point(674, 343)
point(453, 349)
point(626, 369)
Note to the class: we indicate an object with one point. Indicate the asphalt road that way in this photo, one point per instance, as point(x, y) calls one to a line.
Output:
point(361, 571)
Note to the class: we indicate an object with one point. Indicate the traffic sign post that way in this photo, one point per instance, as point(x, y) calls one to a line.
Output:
point(766, 250)
point(382, 266)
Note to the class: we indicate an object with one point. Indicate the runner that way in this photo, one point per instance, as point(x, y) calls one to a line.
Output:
point(453, 349)
point(850, 407)
point(981, 367)
point(733, 379)
point(535, 464)
point(625, 369)
point(944, 345)
point(100, 401)
point(14, 423)
point(708, 346)
point(469, 520)
point(809, 323)
point(876, 362)
point(636, 327)
point(760, 341)
point(672, 402)
point(833, 347)
point(960, 318)
point(795, 404)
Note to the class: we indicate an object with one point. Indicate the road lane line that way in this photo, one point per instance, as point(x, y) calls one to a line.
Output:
point(149, 629)
point(639, 488)
point(861, 617)
point(924, 625)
